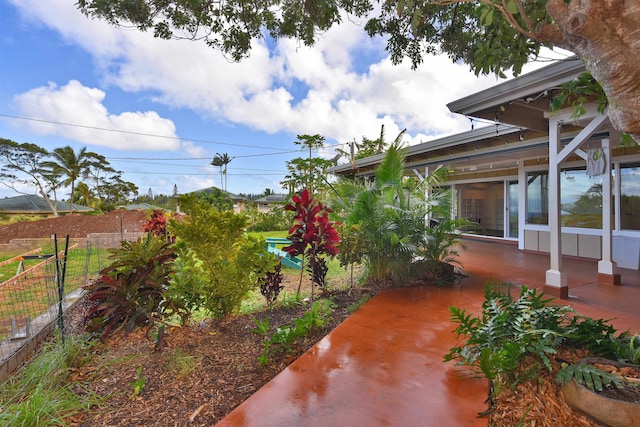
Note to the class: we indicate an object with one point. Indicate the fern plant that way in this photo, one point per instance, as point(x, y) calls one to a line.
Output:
point(507, 330)
point(588, 375)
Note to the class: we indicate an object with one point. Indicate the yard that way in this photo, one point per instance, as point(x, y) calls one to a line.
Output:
point(206, 362)
point(196, 374)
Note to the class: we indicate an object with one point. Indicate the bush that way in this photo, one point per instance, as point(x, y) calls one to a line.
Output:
point(271, 282)
point(219, 263)
point(276, 219)
point(132, 290)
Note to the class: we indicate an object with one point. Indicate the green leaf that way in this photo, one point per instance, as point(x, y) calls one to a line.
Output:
point(489, 17)
point(512, 7)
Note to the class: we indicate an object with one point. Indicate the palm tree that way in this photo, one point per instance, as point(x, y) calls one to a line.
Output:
point(217, 161)
point(387, 219)
point(70, 166)
point(85, 195)
point(222, 160)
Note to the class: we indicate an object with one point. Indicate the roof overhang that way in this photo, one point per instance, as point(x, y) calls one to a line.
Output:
point(522, 101)
point(490, 142)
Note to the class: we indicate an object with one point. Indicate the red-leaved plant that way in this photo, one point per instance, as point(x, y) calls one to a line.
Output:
point(157, 224)
point(312, 236)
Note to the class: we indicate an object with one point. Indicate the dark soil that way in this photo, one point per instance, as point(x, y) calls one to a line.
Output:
point(202, 373)
point(75, 225)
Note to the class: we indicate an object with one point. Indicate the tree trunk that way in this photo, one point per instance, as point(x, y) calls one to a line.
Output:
point(605, 34)
point(47, 199)
point(71, 198)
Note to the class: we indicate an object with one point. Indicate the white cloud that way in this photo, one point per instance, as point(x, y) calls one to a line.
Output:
point(82, 106)
point(338, 99)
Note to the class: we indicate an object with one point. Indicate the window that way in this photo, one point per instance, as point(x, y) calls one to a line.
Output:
point(482, 203)
point(630, 197)
point(581, 199)
point(581, 204)
point(538, 198)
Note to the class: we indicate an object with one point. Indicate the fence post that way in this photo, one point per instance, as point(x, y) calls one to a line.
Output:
point(61, 270)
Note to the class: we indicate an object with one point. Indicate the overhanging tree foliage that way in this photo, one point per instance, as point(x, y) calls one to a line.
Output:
point(489, 35)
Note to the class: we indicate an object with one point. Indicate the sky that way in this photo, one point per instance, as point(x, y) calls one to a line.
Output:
point(160, 110)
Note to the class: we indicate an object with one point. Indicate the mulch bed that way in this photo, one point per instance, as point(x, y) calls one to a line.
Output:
point(539, 402)
point(202, 373)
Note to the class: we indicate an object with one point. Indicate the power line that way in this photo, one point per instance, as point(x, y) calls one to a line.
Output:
point(204, 141)
point(201, 158)
point(191, 166)
point(205, 174)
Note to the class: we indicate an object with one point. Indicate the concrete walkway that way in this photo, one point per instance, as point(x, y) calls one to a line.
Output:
point(383, 365)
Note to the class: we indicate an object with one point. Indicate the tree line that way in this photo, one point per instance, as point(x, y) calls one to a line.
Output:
point(88, 175)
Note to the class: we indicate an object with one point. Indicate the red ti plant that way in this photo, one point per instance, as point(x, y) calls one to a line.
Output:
point(312, 236)
point(157, 224)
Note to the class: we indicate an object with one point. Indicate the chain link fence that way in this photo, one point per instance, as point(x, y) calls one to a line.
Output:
point(39, 286)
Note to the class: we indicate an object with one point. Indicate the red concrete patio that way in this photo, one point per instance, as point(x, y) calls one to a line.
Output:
point(383, 366)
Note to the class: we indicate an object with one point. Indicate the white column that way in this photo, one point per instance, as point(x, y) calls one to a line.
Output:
point(606, 265)
point(522, 205)
point(555, 278)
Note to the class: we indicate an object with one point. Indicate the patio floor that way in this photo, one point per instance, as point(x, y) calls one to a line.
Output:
point(383, 365)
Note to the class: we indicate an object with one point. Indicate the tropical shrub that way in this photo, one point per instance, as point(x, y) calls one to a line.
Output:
point(156, 224)
point(220, 263)
point(510, 329)
point(439, 250)
point(188, 283)
point(390, 214)
point(313, 236)
point(132, 290)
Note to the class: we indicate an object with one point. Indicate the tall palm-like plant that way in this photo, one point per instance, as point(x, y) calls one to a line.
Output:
point(71, 166)
point(391, 215)
point(84, 195)
point(381, 210)
point(222, 160)
point(217, 161)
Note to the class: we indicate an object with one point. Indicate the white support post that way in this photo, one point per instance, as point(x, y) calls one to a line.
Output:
point(556, 280)
point(607, 268)
point(427, 195)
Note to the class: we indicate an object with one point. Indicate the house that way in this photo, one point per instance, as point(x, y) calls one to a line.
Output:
point(266, 203)
point(239, 202)
point(540, 179)
point(34, 205)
